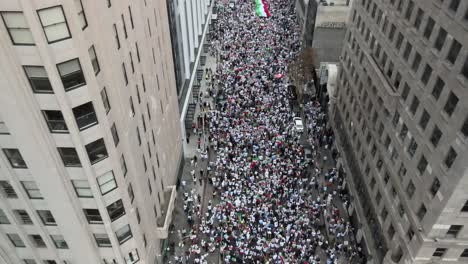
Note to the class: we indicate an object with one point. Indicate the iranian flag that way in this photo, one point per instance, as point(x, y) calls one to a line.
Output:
point(261, 8)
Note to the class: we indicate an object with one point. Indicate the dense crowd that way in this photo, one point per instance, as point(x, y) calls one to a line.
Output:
point(270, 204)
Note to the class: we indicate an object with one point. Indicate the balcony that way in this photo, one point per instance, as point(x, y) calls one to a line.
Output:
point(167, 208)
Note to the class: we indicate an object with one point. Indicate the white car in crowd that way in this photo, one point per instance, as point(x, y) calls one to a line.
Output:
point(298, 124)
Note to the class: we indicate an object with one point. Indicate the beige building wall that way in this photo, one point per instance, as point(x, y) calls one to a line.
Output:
point(138, 150)
point(401, 120)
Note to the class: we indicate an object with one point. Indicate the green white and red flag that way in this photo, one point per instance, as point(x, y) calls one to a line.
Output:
point(261, 8)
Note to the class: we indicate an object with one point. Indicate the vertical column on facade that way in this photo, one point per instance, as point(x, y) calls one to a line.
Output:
point(200, 17)
point(195, 22)
point(185, 42)
point(188, 11)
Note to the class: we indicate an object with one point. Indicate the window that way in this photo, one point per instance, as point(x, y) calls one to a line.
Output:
point(419, 16)
point(422, 165)
point(454, 5)
point(454, 51)
point(451, 104)
point(37, 241)
point(410, 234)
point(131, 17)
point(391, 232)
point(18, 28)
point(59, 241)
point(109, 3)
point(81, 14)
point(132, 257)
point(435, 186)
point(378, 198)
point(132, 108)
point(464, 128)
point(131, 63)
point(23, 217)
point(48, 261)
point(69, 157)
point(94, 60)
point(38, 79)
point(107, 182)
point(426, 74)
point(464, 254)
point(8, 190)
point(3, 218)
point(424, 119)
point(416, 62)
point(465, 69)
point(412, 147)
point(124, 26)
point(71, 74)
point(116, 36)
point(105, 100)
point(438, 87)
point(410, 189)
point(102, 240)
point(137, 51)
point(403, 132)
point(422, 212)
point(130, 192)
point(450, 158)
point(123, 234)
point(29, 261)
point(138, 136)
point(429, 27)
point(15, 158)
point(409, 10)
point(55, 121)
point(407, 52)
point(124, 71)
point(46, 217)
point(138, 94)
point(30, 187)
point(123, 165)
point(116, 210)
point(440, 40)
point(439, 252)
point(399, 41)
point(115, 134)
point(93, 216)
point(54, 24)
point(414, 105)
point(82, 188)
point(405, 92)
point(15, 239)
point(435, 136)
point(96, 151)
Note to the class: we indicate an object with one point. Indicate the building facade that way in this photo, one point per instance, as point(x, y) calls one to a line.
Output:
point(401, 121)
point(89, 133)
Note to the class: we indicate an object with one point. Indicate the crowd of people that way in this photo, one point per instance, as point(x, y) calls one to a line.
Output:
point(271, 204)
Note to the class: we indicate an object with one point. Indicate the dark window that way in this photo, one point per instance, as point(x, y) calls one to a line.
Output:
point(23, 217)
point(46, 217)
point(59, 241)
point(94, 60)
point(429, 27)
point(137, 51)
point(96, 151)
point(85, 116)
point(105, 100)
point(416, 62)
point(37, 241)
point(451, 104)
point(422, 165)
point(132, 108)
point(130, 193)
point(138, 136)
point(439, 252)
point(16, 240)
point(8, 190)
point(407, 51)
point(409, 10)
point(424, 119)
point(124, 72)
point(391, 231)
point(450, 158)
point(438, 87)
point(435, 186)
point(131, 62)
point(464, 70)
point(116, 210)
point(422, 212)
point(102, 240)
point(419, 16)
point(124, 26)
point(412, 147)
point(124, 234)
point(123, 165)
point(454, 51)
point(392, 32)
point(115, 134)
point(71, 74)
point(93, 216)
point(426, 74)
point(116, 36)
point(55, 121)
point(405, 92)
point(3, 218)
point(131, 16)
point(440, 40)
point(435, 136)
point(414, 105)
point(410, 189)
point(399, 41)
point(454, 5)
point(403, 132)
point(410, 234)
point(69, 157)
point(15, 158)
point(464, 128)
point(38, 79)
point(464, 254)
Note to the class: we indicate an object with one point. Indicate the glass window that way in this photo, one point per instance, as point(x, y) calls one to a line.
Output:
point(124, 72)
point(422, 165)
point(438, 87)
point(55, 121)
point(464, 70)
point(46, 217)
point(440, 40)
point(123, 165)
point(4, 129)
point(105, 100)
point(85, 116)
point(96, 151)
point(130, 192)
point(426, 74)
point(414, 105)
point(18, 28)
point(454, 51)
point(71, 74)
point(454, 5)
point(419, 16)
point(16, 240)
point(132, 257)
point(131, 16)
point(435, 136)
point(94, 60)
point(124, 26)
point(69, 157)
point(37, 241)
point(422, 212)
point(59, 241)
point(116, 36)
point(15, 158)
point(107, 182)
point(82, 188)
point(464, 128)
point(439, 252)
point(116, 210)
point(450, 158)
point(412, 147)
point(23, 217)
point(3, 218)
point(124, 234)
point(30, 187)
point(115, 134)
point(29, 261)
point(424, 119)
point(81, 14)
point(435, 186)
point(38, 79)
point(93, 216)
point(8, 190)
point(429, 27)
point(410, 189)
point(451, 104)
point(102, 240)
point(464, 254)
point(54, 24)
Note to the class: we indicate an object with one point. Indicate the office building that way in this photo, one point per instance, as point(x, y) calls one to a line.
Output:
point(400, 113)
point(89, 133)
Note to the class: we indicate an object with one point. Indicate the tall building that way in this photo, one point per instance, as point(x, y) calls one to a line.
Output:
point(89, 133)
point(400, 116)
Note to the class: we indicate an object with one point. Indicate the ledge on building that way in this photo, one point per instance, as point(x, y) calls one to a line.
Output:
point(167, 208)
